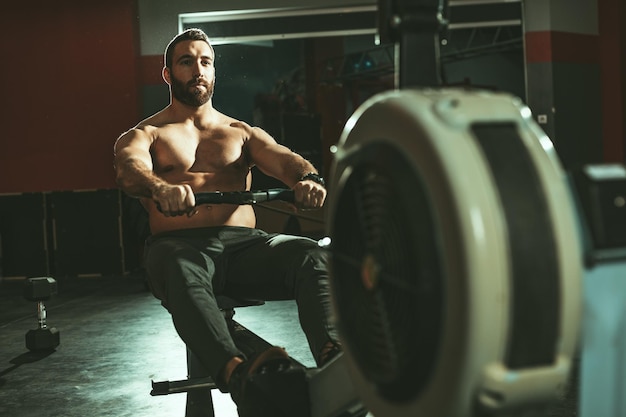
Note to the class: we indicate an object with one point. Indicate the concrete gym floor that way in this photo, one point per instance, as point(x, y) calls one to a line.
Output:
point(115, 339)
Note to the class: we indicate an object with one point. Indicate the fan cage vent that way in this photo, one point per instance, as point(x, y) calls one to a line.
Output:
point(388, 281)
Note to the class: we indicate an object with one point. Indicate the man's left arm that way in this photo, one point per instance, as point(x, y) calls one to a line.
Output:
point(280, 162)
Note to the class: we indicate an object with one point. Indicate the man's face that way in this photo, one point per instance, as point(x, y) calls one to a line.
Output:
point(192, 76)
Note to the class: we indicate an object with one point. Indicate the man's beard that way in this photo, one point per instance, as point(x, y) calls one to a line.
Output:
point(195, 97)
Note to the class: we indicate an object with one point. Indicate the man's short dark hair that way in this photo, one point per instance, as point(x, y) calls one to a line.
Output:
point(188, 35)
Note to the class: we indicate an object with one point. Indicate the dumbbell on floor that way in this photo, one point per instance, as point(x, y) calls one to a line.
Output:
point(43, 338)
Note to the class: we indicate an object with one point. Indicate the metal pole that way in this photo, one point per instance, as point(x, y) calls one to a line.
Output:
point(414, 26)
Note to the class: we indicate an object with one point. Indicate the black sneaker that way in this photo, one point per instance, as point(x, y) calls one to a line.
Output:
point(274, 359)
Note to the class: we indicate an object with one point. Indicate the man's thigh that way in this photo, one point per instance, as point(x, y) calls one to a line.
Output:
point(268, 268)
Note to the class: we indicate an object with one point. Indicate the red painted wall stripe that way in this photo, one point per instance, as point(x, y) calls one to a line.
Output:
point(151, 70)
point(64, 109)
point(612, 56)
point(551, 46)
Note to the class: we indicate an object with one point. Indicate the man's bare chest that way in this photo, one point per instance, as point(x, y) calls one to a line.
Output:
point(198, 151)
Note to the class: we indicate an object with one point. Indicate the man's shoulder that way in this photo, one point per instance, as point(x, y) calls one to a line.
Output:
point(237, 124)
point(231, 123)
point(157, 120)
point(159, 124)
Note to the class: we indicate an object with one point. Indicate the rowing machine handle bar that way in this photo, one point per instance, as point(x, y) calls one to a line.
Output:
point(245, 197)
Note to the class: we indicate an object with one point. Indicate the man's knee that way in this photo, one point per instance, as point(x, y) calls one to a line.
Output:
point(315, 257)
point(312, 269)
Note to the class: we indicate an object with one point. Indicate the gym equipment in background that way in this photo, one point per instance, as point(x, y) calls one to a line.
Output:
point(43, 338)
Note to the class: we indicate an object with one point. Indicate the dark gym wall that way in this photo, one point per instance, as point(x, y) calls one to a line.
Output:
point(74, 76)
point(69, 88)
point(575, 55)
point(72, 80)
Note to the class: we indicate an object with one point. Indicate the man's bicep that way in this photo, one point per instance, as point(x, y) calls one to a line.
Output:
point(267, 154)
point(133, 145)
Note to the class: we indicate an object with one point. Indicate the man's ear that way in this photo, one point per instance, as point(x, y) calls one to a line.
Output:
point(166, 75)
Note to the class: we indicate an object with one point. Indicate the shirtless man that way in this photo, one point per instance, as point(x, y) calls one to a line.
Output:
point(198, 252)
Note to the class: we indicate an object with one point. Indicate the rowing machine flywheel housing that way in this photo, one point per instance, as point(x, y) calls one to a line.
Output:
point(456, 262)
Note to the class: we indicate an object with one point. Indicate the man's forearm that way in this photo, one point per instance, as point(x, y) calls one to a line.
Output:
point(294, 168)
point(137, 180)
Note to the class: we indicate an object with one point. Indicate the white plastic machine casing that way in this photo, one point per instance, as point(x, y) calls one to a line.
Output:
point(433, 129)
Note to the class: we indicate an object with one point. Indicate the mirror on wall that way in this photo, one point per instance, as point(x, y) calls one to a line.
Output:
point(300, 73)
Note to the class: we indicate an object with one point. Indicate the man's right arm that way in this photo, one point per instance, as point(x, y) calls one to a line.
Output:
point(133, 164)
point(135, 175)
